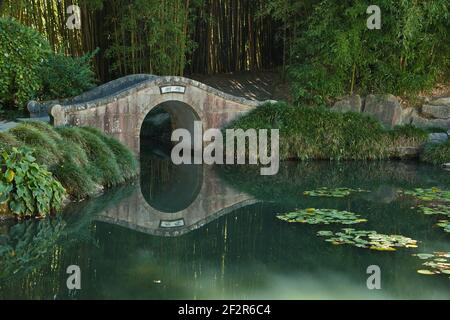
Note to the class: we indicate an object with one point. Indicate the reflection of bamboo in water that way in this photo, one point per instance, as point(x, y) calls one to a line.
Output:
point(160, 172)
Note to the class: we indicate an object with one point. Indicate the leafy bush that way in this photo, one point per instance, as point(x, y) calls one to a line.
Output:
point(437, 154)
point(84, 160)
point(29, 69)
point(317, 133)
point(64, 76)
point(22, 52)
point(337, 54)
point(28, 188)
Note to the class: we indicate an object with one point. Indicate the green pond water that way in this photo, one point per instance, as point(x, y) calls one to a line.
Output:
point(199, 232)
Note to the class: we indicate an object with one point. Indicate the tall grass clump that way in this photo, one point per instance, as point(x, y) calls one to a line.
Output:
point(436, 154)
point(308, 133)
point(126, 160)
point(104, 168)
point(7, 141)
point(84, 161)
point(45, 147)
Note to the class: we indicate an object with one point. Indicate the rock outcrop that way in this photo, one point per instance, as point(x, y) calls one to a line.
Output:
point(387, 109)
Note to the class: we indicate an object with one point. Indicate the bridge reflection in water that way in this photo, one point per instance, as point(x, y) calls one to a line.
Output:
point(173, 200)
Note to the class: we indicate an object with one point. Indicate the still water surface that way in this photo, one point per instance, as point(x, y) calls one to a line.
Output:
point(199, 232)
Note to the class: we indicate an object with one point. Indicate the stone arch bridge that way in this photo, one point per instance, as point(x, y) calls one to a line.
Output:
point(119, 107)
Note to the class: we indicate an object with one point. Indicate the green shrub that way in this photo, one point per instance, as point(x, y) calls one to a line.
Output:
point(28, 188)
point(318, 133)
point(22, 52)
point(436, 154)
point(64, 76)
point(83, 160)
point(29, 69)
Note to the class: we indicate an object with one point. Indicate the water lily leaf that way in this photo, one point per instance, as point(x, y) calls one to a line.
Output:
point(431, 194)
point(439, 265)
point(336, 192)
point(426, 272)
point(369, 239)
point(321, 216)
point(424, 256)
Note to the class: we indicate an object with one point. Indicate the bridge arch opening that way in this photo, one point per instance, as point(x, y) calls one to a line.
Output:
point(165, 186)
point(160, 122)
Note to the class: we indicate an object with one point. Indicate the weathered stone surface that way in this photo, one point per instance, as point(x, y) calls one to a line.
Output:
point(421, 122)
point(349, 103)
point(120, 107)
point(212, 201)
point(441, 102)
point(405, 152)
point(385, 108)
point(436, 111)
point(407, 115)
point(5, 126)
point(436, 138)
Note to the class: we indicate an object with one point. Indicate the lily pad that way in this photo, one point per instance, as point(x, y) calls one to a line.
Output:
point(336, 192)
point(431, 194)
point(321, 216)
point(426, 272)
point(437, 263)
point(435, 209)
point(369, 239)
point(444, 224)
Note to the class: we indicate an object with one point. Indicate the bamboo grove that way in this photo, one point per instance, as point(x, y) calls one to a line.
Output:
point(171, 37)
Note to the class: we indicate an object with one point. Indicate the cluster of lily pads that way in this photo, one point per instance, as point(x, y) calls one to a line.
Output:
point(431, 194)
point(437, 263)
point(321, 216)
point(336, 192)
point(444, 224)
point(368, 239)
point(435, 209)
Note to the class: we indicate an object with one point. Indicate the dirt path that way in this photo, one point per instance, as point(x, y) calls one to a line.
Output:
point(264, 85)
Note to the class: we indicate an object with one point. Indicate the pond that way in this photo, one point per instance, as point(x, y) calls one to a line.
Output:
point(201, 232)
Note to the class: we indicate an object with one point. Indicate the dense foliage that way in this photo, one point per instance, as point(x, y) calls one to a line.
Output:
point(22, 52)
point(324, 45)
point(84, 160)
point(309, 133)
point(27, 187)
point(30, 70)
point(64, 77)
point(337, 54)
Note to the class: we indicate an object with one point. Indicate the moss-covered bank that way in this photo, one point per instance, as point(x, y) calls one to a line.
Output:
point(308, 133)
point(84, 160)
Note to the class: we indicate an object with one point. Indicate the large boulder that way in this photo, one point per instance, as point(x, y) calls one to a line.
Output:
point(424, 123)
point(349, 103)
point(386, 108)
point(436, 111)
point(437, 138)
